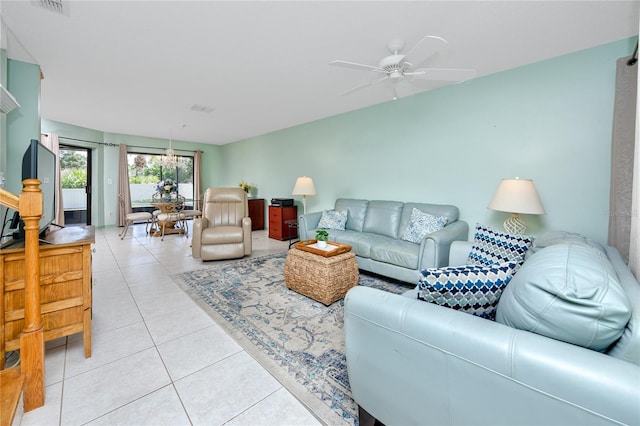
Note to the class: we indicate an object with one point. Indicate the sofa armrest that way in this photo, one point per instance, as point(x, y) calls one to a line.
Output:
point(412, 362)
point(459, 253)
point(434, 249)
point(307, 224)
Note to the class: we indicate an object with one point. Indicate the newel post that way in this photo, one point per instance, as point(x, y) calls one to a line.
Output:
point(32, 338)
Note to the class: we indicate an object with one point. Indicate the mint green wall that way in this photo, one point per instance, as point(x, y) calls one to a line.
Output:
point(105, 162)
point(549, 121)
point(23, 124)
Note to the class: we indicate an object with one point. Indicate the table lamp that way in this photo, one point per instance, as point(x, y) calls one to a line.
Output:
point(304, 186)
point(516, 196)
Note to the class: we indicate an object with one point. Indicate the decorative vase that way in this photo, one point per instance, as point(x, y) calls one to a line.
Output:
point(322, 244)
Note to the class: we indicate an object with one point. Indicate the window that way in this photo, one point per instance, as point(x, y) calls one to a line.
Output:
point(145, 171)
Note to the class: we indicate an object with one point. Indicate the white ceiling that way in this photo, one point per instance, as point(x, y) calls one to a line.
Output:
point(138, 67)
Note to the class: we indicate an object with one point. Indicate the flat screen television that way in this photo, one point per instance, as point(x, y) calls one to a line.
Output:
point(39, 163)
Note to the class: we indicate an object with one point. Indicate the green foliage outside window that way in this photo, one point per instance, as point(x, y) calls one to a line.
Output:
point(73, 178)
point(146, 168)
point(73, 167)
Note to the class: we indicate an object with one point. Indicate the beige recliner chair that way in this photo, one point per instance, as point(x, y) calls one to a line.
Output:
point(224, 230)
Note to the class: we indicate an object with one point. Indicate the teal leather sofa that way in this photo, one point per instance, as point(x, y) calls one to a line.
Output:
point(374, 230)
point(415, 363)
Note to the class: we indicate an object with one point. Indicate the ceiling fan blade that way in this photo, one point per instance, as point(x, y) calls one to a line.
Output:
point(443, 74)
point(427, 47)
point(363, 85)
point(356, 66)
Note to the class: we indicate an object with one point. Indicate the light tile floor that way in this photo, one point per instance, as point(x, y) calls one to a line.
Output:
point(157, 358)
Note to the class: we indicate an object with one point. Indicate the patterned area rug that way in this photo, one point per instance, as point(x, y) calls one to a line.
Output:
point(300, 341)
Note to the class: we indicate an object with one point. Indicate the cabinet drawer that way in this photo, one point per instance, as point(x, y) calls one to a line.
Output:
point(275, 213)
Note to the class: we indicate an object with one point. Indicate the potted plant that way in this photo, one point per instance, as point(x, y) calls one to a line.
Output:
point(246, 187)
point(322, 236)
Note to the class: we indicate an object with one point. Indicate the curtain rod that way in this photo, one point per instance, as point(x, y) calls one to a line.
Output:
point(115, 144)
point(84, 140)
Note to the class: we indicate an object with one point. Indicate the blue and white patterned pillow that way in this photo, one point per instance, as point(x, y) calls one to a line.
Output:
point(491, 246)
point(471, 288)
point(422, 224)
point(333, 219)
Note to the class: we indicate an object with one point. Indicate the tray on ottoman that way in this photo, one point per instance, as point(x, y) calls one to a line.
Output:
point(325, 279)
point(332, 249)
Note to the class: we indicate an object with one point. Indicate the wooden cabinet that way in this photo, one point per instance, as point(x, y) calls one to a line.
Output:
point(256, 213)
point(65, 288)
point(278, 230)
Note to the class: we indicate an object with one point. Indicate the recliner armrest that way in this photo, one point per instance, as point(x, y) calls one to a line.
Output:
point(248, 238)
point(196, 238)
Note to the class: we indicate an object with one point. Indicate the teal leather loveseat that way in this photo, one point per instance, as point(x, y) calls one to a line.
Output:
point(416, 363)
point(374, 229)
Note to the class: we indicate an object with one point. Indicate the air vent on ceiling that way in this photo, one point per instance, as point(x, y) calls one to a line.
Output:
point(56, 6)
point(201, 108)
point(7, 102)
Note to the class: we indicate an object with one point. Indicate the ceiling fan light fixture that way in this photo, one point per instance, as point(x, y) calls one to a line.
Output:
point(396, 75)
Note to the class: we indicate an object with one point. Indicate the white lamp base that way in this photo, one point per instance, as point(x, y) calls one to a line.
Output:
point(515, 225)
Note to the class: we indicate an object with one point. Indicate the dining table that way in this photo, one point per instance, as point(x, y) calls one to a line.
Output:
point(169, 217)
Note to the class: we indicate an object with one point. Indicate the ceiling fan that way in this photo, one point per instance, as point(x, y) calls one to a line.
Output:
point(401, 67)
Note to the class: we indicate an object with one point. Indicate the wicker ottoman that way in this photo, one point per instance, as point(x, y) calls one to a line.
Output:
point(325, 279)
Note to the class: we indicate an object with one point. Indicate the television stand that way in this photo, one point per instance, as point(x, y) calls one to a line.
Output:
point(65, 288)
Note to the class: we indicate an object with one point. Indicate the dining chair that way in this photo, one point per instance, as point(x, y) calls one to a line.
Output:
point(155, 198)
point(172, 214)
point(131, 218)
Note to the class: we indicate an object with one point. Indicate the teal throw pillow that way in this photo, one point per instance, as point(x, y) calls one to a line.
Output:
point(421, 224)
point(333, 219)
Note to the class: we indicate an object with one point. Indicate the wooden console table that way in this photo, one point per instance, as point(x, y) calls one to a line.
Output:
point(256, 213)
point(65, 288)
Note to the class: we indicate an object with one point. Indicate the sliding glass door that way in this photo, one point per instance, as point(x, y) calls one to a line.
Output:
point(75, 175)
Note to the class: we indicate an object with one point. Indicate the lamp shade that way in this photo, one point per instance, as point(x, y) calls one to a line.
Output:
point(517, 196)
point(304, 186)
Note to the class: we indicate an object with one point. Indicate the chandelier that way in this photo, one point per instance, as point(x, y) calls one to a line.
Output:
point(170, 159)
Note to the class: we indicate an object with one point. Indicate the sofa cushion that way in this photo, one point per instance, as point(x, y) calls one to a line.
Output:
point(357, 209)
point(471, 288)
point(395, 252)
point(567, 292)
point(383, 218)
point(333, 219)
point(422, 224)
point(360, 242)
point(492, 246)
point(222, 235)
